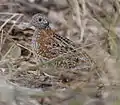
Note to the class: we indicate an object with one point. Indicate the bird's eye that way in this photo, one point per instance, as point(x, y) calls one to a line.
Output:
point(40, 19)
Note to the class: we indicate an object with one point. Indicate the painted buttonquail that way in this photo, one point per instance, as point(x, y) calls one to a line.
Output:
point(48, 44)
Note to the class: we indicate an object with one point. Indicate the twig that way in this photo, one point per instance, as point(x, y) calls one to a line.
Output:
point(7, 21)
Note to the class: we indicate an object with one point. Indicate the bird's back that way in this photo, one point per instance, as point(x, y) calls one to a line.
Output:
point(50, 44)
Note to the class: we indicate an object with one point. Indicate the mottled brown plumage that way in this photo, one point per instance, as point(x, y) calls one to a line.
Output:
point(52, 45)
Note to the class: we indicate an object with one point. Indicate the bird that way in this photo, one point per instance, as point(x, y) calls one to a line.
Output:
point(48, 44)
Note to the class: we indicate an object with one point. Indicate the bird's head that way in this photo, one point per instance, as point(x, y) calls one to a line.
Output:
point(39, 21)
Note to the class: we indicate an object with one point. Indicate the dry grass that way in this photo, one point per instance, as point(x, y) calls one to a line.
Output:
point(92, 25)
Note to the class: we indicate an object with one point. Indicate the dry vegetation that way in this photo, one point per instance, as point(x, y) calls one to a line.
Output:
point(93, 25)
